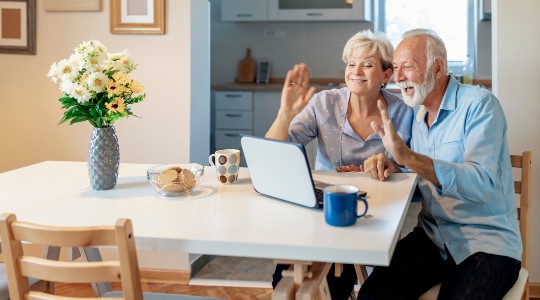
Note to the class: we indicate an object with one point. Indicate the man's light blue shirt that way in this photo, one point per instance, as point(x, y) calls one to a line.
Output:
point(474, 211)
point(325, 118)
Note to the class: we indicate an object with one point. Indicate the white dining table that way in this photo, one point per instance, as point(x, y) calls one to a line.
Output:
point(216, 219)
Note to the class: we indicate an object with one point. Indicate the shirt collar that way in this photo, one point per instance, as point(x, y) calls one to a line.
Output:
point(450, 96)
point(449, 101)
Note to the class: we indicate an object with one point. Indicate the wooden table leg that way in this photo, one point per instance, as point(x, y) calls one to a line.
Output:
point(306, 280)
point(315, 287)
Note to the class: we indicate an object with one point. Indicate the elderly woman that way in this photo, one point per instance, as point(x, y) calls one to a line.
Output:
point(340, 119)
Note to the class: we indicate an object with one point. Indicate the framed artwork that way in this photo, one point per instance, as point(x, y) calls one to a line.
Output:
point(18, 26)
point(72, 5)
point(138, 16)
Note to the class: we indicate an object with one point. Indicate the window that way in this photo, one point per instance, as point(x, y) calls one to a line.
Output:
point(450, 19)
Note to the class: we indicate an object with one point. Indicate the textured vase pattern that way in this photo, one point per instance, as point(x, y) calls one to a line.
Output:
point(103, 158)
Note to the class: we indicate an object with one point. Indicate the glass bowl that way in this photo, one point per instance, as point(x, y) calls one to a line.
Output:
point(175, 179)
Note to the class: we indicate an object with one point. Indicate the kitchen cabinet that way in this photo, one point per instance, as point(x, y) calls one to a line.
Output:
point(244, 10)
point(233, 116)
point(295, 10)
point(247, 112)
point(265, 109)
point(319, 10)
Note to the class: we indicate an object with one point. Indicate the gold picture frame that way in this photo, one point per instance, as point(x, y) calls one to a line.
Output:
point(18, 26)
point(72, 5)
point(137, 16)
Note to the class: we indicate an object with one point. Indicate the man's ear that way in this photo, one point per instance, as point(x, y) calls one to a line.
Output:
point(439, 68)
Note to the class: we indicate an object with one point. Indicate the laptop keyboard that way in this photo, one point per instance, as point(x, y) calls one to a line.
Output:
point(319, 196)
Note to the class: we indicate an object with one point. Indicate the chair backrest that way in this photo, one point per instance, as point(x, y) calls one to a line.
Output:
point(20, 265)
point(523, 188)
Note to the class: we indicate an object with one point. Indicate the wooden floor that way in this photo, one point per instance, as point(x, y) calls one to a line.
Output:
point(85, 290)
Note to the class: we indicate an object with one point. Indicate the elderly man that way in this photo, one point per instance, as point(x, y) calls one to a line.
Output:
point(467, 237)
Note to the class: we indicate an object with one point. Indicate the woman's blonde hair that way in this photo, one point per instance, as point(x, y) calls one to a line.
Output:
point(372, 42)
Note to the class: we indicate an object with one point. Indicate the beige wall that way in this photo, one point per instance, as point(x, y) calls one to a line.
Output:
point(29, 100)
point(516, 62)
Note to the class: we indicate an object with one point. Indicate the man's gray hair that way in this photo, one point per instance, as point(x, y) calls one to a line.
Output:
point(434, 45)
point(373, 42)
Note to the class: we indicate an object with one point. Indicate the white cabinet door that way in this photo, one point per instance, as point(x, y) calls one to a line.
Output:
point(265, 109)
point(319, 10)
point(244, 10)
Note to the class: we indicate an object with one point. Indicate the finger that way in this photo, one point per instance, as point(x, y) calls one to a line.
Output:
point(387, 173)
point(384, 111)
point(305, 76)
point(299, 79)
point(368, 169)
point(309, 94)
point(387, 122)
point(381, 164)
point(288, 79)
point(377, 128)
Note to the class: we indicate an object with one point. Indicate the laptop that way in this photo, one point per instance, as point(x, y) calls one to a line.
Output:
point(281, 170)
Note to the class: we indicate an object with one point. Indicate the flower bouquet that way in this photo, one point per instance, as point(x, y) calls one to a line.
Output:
point(96, 85)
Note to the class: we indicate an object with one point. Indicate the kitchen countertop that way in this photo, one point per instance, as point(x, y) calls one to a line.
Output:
point(277, 87)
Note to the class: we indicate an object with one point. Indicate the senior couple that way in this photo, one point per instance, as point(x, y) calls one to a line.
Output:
point(452, 135)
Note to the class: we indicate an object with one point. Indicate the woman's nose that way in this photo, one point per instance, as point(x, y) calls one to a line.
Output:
point(358, 70)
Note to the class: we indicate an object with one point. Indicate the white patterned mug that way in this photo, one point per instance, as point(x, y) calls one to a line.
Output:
point(227, 162)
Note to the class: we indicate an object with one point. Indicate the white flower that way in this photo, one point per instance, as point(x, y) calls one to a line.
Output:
point(67, 69)
point(79, 92)
point(97, 82)
point(121, 61)
point(53, 72)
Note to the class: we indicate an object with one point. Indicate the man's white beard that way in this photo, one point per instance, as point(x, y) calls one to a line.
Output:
point(421, 90)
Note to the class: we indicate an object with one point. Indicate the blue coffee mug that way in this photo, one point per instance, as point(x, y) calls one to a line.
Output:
point(340, 204)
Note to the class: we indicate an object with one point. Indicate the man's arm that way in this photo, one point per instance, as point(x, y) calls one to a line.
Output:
point(381, 167)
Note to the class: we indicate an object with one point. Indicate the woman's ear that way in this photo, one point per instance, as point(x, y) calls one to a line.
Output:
point(387, 76)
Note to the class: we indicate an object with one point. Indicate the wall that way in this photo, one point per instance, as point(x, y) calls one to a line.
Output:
point(29, 100)
point(318, 44)
point(515, 82)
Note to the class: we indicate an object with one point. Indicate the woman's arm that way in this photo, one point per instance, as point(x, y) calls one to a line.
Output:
point(294, 97)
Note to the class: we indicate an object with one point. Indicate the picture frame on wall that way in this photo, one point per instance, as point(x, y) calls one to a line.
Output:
point(72, 5)
point(137, 16)
point(18, 26)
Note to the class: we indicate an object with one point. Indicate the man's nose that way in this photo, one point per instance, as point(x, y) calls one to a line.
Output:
point(398, 74)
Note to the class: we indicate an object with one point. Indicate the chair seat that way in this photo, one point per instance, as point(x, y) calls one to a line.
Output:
point(517, 290)
point(514, 293)
point(159, 296)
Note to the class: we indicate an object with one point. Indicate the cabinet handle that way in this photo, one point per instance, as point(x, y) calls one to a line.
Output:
point(232, 134)
point(233, 115)
point(315, 14)
point(244, 15)
point(233, 95)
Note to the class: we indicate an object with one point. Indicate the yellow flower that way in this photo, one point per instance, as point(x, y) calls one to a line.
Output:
point(114, 89)
point(117, 105)
point(136, 87)
point(121, 78)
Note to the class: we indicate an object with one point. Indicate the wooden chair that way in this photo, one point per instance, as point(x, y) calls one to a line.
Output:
point(37, 285)
point(520, 290)
point(20, 265)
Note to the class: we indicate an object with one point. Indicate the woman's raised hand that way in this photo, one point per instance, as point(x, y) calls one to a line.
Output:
point(296, 95)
